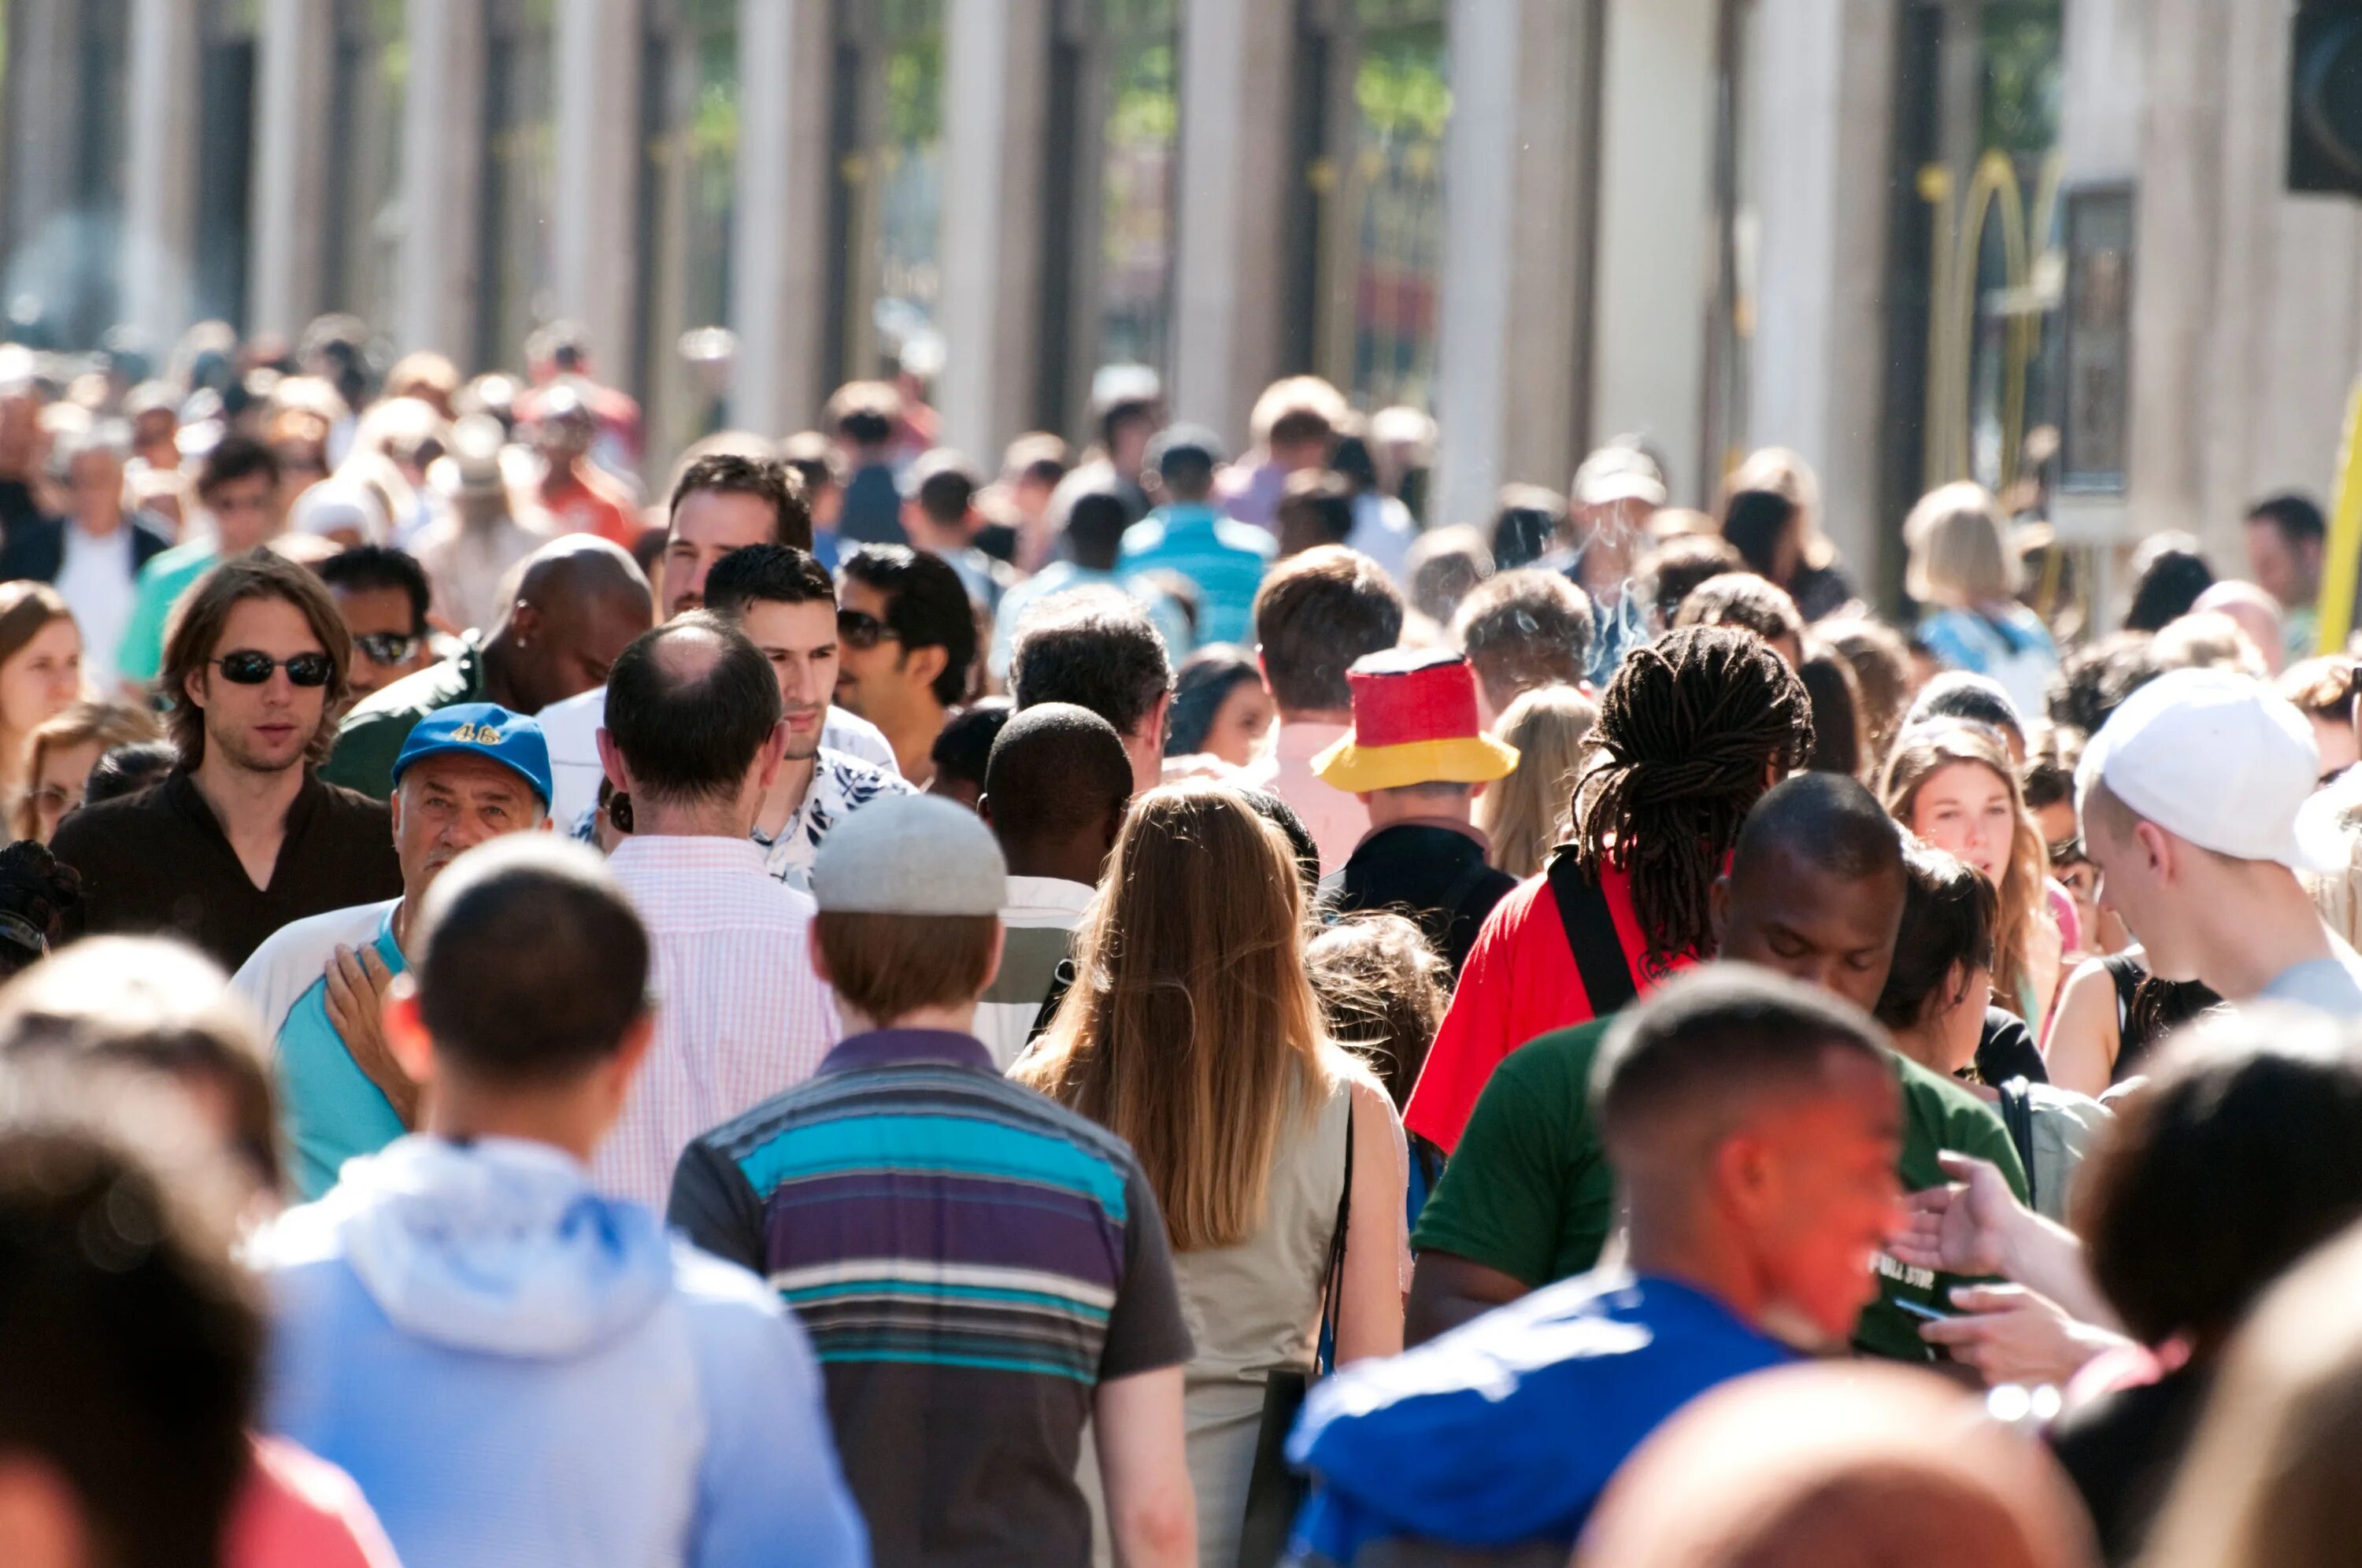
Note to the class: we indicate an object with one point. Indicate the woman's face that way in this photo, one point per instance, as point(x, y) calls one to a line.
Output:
point(42, 679)
point(2104, 932)
point(1965, 809)
point(56, 787)
point(1239, 724)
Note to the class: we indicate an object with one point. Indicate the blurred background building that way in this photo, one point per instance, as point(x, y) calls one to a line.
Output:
point(2044, 243)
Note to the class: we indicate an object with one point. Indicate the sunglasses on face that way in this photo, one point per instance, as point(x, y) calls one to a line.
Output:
point(384, 648)
point(250, 668)
point(861, 631)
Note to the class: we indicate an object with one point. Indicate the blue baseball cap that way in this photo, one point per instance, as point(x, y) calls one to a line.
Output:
point(481, 729)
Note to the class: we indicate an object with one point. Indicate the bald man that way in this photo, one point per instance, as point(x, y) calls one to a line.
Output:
point(569, 612)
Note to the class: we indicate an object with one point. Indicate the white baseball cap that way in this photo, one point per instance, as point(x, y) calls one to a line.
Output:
point(2216, 758)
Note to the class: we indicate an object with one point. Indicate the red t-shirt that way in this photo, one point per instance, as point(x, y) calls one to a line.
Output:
point(1520, 981)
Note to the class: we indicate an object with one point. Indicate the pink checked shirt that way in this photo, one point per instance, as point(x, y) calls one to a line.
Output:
point(740, 1015)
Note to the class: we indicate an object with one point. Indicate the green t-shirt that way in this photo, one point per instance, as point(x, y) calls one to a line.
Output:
point(372, 735)
point(139, 654)
point(1530, 1191)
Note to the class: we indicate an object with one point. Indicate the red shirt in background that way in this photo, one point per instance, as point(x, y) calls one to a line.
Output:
point(1520, 982)
point(297, 1510)
point(584, 500)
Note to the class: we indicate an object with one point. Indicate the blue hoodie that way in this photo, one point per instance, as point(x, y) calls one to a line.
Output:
point(520, 1371)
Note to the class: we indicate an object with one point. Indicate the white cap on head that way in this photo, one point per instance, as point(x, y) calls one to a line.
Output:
point(2216, 758)
point(910, 855)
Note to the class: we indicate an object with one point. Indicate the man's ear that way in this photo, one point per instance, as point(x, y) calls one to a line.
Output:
point(524, 622)
point(813, 952)
point(984, 809)
point(193, 687)
point(774, 751)
point(924, 665)
point(405, 1031)
point(611, 761)
point(2158, 846)
point(1717, 909)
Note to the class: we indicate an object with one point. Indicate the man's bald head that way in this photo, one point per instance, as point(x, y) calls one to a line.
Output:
point(690, 706)
point(574, 605)
point(1058, 777)
point(1815, 887)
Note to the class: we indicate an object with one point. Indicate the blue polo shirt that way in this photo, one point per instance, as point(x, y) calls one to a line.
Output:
point(329, 1109)
point(1225, 559)
point(1502, 1433)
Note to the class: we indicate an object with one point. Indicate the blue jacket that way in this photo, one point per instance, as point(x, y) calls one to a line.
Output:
point(1503, 1432)
point(519, 1371)
point(1224, 559)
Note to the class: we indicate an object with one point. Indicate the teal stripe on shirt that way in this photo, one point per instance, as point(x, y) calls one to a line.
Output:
point(942, 1146)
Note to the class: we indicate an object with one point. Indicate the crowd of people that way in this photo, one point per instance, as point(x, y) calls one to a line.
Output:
point(1139, 1006)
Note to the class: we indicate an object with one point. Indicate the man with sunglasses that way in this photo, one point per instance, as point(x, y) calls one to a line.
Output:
point(574, 605)
point(241, 837)
point(381, 593)
point(723, 500)
point(905, 636)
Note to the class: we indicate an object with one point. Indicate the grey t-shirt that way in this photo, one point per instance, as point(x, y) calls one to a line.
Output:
point(2331, 985)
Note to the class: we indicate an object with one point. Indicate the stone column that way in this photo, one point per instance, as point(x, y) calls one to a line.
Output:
point(1236, 178)
point(159, 215)
point(296, 75)
point(996, 92)
point(43, 109)
point(1819, 111)
point(1516, 251)
point(442, 175)
point(778, 284)
point(596, 83)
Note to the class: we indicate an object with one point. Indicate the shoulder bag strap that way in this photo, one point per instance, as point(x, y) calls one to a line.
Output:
point(1062, 980)
point(1591, 934)
point(1334, 1289)
point(2017, 1116)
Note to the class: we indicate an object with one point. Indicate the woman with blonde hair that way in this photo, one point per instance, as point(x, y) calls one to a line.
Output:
point(1525, 815)
point(1963, 569)
point(1192, 1031)
point(1952, 786)
point(60, 754)
point(40, 671)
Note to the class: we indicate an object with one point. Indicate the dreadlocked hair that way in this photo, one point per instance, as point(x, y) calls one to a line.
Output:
point(1692, 730)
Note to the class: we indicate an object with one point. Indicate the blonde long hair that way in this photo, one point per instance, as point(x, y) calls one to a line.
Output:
point(1525, 815)
point(1191, 1031)
point(1922, 753)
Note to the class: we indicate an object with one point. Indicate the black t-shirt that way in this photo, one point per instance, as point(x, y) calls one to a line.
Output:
point(2005, 1050)
point(157, 863)
point(2122, 1450)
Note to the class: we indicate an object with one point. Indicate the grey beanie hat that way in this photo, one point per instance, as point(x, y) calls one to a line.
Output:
point(912, 855)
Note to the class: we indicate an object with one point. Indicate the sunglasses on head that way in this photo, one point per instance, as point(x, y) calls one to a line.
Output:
point(250, 668)
point(385, 647)
point(861, 631)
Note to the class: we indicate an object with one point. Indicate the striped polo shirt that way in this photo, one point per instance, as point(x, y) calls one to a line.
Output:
point(970, 1261)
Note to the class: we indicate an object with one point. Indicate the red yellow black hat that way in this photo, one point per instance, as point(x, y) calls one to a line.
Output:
point(1414, 722)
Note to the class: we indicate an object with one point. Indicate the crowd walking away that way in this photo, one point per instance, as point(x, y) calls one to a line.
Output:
point(821, 999)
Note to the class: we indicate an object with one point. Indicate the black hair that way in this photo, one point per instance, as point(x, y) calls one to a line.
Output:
point(1673, 570)
point(41, 905)
point(1054, 771)
point(128, 768)
point(1835, 700)
point(946, 493)
point(691, 735)
point(963, 747)
point(766, 574)
point(1742, 599)
point(1281, 815)
point(2169, 575)
point(2243, 1153)
point(1753, 522)
point(1349, 460)
point(1718, 1034)
point(1689, 732)
point(1323, 501)
point(1185, 457)
point(130, 1344)
point(767, 479)
point(1824, 820)
point(1100, 651)
point(1527, 520)
point(2094, 679)
point(927, 606)
point(532, 966)
point(1095, 527)
point(1951, 916)
point(1972, 699)
point(235, 457)
point(1124, 412)
point(362, 567)
point(1204, 682)
point(2296, 516)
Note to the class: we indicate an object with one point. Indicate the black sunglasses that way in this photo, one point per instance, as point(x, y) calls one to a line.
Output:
point(250, 668)
point(861, 631)
point(385, 647)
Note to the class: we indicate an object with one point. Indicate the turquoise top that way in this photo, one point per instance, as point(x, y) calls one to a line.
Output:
point(161, 582)
point(329, 1107)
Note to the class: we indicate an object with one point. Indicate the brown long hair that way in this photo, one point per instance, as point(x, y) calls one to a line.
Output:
point(1190, 1030)
point(1919, 755)
point(111, 723)
point(197, 626)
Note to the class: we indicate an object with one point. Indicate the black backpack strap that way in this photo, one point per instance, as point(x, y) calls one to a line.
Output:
point(1591, 934)
point(2017, 1116)
point(1061, 982)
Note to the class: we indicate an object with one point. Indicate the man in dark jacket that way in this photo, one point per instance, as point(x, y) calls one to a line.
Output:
point(1417, 759)
point(93, 553)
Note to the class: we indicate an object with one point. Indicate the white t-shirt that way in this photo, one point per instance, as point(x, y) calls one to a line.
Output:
point(571, 728)
point(96, 578)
